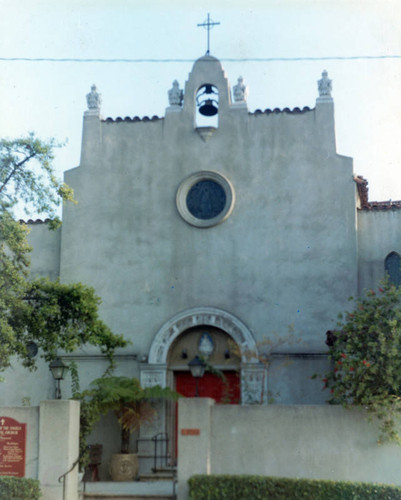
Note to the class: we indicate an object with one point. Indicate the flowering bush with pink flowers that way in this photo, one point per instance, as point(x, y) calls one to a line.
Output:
point(365, 353)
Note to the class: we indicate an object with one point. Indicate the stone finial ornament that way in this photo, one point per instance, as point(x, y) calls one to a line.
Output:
point(324, 85)
point(94, 99)
point(175, 95)
point(240, 91)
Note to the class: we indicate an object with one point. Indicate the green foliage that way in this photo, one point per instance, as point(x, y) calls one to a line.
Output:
point(88, 417)
point(131, 403)
point(27, 176)
point(273, 488)
point(51, 315)
point(55, 316)
point(366, 361)
point(19, 488)
point(62, 316)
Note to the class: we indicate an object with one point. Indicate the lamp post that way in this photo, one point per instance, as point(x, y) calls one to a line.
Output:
point(58, 369)
point(197, 367)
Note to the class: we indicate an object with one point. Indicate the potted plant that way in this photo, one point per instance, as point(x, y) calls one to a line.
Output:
point(132, 405)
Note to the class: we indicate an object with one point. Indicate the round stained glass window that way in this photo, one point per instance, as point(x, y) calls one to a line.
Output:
point(205, 199)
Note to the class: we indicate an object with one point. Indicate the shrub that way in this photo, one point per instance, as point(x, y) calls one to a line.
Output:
point(224, 487)
point(19, 488)
point(365, 355)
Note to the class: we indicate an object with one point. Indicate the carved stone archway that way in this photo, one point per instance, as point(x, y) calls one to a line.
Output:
point(252, 373)
point(209, 316)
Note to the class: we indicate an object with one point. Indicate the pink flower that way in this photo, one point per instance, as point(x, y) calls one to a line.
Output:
point(343, 355)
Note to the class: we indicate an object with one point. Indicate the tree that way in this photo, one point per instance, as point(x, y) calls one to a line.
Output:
point(365, 356)
point(27, 177)
point(131, 403)
point(49, 314)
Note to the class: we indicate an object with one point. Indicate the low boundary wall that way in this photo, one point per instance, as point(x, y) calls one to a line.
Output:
point(316, 442)
point(52, 445)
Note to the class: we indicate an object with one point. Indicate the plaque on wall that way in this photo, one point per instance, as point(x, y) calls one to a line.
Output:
point(12, 447)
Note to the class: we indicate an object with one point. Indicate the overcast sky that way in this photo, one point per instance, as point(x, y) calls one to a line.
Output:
point(49, 97)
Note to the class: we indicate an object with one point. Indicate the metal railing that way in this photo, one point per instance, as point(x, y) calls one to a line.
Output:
point(161, 451)
point(63, 476)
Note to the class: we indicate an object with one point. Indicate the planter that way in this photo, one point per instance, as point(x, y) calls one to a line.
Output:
point(124, 466)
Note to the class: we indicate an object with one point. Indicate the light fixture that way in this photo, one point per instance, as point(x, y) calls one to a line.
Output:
point(197, 367)
point(58, 369)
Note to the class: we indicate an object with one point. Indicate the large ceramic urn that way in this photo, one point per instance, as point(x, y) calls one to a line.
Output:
point(124, 466)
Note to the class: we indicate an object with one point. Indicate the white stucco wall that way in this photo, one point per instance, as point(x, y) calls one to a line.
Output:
point(316, 442)
point(286, 255)
point(45, 255)
point(379, 233)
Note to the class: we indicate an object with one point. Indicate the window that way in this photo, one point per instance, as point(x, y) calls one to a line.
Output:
point(205, 199)
point(392, 266)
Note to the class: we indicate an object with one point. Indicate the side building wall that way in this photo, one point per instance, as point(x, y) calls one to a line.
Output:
point(379, 234)
point(45, 255)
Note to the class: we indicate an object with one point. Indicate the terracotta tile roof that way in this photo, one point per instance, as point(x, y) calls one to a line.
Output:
point(365, 204)
point(31, 221)
point(134, 119)
point(276, 111)
point(385, 205)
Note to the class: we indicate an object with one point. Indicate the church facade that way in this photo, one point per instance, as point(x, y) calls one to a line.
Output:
point(239, 240)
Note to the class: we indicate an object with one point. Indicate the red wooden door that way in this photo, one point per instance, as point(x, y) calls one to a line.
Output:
point(222, 390)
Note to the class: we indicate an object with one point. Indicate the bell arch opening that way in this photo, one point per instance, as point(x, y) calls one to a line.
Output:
point(207, 106)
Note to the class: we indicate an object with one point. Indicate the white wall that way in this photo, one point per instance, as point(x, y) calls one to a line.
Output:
point(316, 442)
point(286, 255)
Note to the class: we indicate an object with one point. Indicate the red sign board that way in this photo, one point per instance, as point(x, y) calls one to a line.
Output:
point(190, 432)
point(12, 447)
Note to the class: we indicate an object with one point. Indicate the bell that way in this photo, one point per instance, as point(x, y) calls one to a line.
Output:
point(208, 108)
point(205, 102)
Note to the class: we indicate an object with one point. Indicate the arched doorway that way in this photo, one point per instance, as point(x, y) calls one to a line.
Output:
point(163, 362)
point(221, 354)
point(221, 380)
point(156, 372)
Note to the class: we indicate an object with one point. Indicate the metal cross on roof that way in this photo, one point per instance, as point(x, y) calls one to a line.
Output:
point(208, 25)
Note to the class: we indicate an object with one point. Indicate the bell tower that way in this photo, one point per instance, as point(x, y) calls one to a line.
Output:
point(207, 93)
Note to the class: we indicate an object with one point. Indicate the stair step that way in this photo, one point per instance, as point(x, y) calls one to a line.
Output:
point(157, 476)
point(108, 496)
point(135, 490)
